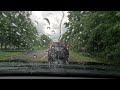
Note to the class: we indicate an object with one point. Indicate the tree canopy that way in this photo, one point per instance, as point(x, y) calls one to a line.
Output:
point(97, 31)
point(17, 30)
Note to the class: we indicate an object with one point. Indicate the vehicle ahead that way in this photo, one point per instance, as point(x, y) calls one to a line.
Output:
point(58, 52)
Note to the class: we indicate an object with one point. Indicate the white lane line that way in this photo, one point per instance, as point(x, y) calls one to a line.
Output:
point(43, 57)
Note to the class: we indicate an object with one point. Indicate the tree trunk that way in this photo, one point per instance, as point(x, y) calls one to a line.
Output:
point(5, 46)
point(1, 45)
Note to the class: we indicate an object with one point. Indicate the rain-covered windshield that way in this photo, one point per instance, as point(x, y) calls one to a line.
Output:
point(86, 40)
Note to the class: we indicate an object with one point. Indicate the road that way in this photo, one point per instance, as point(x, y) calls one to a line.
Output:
point(39, 55)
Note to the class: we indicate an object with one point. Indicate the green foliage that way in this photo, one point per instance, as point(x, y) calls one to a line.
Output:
point(98, 32)
point(6, 55)
point(43, 41)
point(16, 30)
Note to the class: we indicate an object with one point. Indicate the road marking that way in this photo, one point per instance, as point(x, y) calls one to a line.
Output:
point(43, 57)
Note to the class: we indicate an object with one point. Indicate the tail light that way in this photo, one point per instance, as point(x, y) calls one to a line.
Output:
point(59, 44)
point(66, 45)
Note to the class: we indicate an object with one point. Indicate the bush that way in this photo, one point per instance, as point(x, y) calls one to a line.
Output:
point(113, 56)
point(115, 53)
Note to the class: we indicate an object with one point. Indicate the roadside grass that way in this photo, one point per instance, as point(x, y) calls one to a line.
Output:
point(80, 58)
point(77, 57)
point(74, 57)
point(39, 48)
point(6, 55)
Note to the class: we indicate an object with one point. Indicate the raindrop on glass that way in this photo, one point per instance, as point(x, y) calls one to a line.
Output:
point(44, 41)
point(80, 32)
point(24, 30)
point(14, 25)
point(67, 36)
point(18, 33)
point(21, 43)
point(4, 15)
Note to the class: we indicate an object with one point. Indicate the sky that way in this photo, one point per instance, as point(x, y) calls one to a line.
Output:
point(54, 17)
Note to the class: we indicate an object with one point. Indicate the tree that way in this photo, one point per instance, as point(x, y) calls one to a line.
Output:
point(97, 31)
point(45, 41)
point(16, 30)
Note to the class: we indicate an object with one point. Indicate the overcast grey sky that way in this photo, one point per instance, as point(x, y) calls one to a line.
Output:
point(54, 18)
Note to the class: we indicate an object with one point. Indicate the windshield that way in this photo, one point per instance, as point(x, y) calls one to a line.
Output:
point(90, 41)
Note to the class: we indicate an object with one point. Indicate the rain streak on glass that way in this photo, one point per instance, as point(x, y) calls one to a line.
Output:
point(24, 30)
point(72, 30)
point(14, 24)
point(18, 33)
point(4, 15)
point(44, 41)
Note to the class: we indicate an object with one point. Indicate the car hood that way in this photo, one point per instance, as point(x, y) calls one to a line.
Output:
point(33, 68)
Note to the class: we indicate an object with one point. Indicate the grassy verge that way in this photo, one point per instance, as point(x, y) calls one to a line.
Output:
point(39, 48)
point(6, 55)
point(76, 57)
point(80, 58)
